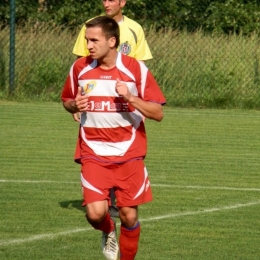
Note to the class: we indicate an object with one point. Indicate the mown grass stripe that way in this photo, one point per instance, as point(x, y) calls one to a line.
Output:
point(73, 231)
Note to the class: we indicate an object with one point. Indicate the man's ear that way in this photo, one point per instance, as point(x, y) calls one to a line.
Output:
point(112, 42)
point(122, 3)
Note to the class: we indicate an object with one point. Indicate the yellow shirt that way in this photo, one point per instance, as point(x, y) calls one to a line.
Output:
point(132, 41)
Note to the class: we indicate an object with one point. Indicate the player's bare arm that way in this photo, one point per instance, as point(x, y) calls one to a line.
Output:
point(80, 104)
point(76, 116)
point(148, 109)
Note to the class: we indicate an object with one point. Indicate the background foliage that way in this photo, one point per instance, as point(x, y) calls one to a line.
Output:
point(205, 53)
point(226, 16)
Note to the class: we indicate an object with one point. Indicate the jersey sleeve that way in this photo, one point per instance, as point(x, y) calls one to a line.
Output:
point(70, 87)
point(80, 47)
point(150, 90)
point(142, 51)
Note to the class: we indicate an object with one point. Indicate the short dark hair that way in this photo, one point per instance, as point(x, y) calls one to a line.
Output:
point(108, 25)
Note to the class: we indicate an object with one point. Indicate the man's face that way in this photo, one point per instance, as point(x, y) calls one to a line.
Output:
point(113, 7)
point(97, 44)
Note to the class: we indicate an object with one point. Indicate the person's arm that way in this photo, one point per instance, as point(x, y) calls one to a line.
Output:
point(148, 109)
point(70, 106)
point(80, 49)
point(142, 51)
point(76, 117)
point(80, 104)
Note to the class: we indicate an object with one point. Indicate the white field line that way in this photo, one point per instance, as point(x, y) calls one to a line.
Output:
point(153, 185)
point(73, 231)
point(41, 237)
point(40, 181)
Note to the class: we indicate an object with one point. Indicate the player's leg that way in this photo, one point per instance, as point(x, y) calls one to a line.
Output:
point(134, 189)
point(96, 197)
point(96, 212)
point(129, 233)
point(98, 216)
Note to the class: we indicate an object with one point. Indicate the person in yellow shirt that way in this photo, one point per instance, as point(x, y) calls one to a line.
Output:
point(132, 39)
point(132, 43)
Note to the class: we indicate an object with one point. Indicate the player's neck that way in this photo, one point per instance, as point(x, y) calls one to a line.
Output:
point(119, 17)
point(109, 61)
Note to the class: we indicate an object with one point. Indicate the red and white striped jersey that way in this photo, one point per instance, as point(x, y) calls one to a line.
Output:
point(111, 131)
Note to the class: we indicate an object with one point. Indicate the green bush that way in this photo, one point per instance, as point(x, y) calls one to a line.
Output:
point(233, 17)
point(230, 16)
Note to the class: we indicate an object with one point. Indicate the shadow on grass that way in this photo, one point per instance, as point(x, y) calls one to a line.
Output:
point(72, 204)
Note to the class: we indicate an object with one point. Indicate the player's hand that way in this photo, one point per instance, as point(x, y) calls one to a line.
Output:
point(81, 101)
point(76, 117)
point(122, 90)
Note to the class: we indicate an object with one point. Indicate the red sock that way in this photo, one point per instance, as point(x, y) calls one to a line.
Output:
point(128, 241)
point(106, 225)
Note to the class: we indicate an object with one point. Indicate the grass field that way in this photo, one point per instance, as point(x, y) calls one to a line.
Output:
point(204, 167)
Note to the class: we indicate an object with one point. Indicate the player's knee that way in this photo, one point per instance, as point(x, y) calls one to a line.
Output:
point(95, 217)
point(129, 222)
point(128, 218)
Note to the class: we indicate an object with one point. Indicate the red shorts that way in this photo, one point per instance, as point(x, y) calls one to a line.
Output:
point(130, 182)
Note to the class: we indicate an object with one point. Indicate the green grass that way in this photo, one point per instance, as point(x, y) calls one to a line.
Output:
point(204, 169)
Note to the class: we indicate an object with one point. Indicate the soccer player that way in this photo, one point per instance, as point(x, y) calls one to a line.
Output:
point(132, 43)
point(116, 92)
point(132, 39)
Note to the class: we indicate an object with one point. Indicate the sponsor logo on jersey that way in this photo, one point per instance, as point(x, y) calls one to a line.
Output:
point(105, 77)
point(89, 86)
point(125, 48)
point(112, 104)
